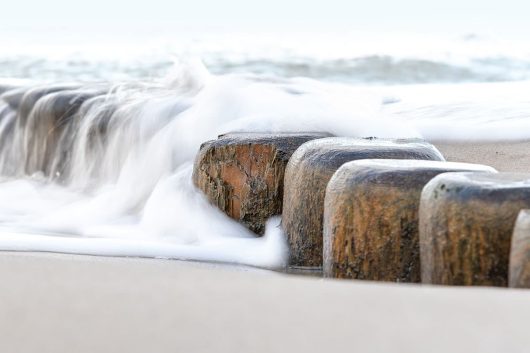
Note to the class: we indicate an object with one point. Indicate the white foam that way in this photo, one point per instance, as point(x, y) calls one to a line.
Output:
point(128, 192)
point(477, 111)
point(346, 56)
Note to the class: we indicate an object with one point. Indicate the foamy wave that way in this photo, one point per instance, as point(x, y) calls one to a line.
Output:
point(376, 69)
point(105, 169)
point(102, 169)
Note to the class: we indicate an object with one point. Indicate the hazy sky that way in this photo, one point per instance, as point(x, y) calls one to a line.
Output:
point(484, 16)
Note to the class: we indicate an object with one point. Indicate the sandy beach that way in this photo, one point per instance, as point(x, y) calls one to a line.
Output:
point(71, 303)
point(66, 303)
point(505, 156)
point(127, 224)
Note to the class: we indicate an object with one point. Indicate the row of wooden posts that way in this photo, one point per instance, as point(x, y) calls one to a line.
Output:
point(374, 209)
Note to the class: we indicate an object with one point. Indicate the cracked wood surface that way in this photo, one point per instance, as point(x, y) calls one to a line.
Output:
point(243, 173)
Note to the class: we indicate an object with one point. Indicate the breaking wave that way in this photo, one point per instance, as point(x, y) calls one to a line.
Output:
point(103, 167)
point(357, 58)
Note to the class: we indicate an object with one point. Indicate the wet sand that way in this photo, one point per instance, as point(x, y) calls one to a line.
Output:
point(68, 303)
point(503, 156)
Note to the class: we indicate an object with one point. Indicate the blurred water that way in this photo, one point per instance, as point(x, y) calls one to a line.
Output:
point(101, 165)
point(349, 57)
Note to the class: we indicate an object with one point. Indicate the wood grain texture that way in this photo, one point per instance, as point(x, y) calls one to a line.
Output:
point(519, 273)
point(307, 175)
point(466, 226)
point(371, 218)
point(243, 173)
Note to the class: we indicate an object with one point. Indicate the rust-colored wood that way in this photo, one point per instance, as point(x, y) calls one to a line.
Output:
point(243, 173)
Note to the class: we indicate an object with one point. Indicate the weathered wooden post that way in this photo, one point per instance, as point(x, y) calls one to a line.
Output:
point(307, 175)
point(371, 217)
point(466, 226)
point(519, 276)
point(243, 173)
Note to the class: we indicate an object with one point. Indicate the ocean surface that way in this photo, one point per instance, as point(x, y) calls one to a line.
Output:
point(345, 57)
point(118, 180)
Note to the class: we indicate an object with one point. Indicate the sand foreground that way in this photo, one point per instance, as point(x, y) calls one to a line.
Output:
point(67, 303)
point(70, 303)
point(505, 156)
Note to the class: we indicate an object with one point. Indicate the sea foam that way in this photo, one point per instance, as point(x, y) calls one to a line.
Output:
point(118, 180)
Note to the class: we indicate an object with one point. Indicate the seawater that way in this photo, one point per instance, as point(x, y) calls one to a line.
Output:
point(118, 180)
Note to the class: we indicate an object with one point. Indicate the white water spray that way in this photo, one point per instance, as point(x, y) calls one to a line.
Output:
point(106, 169)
